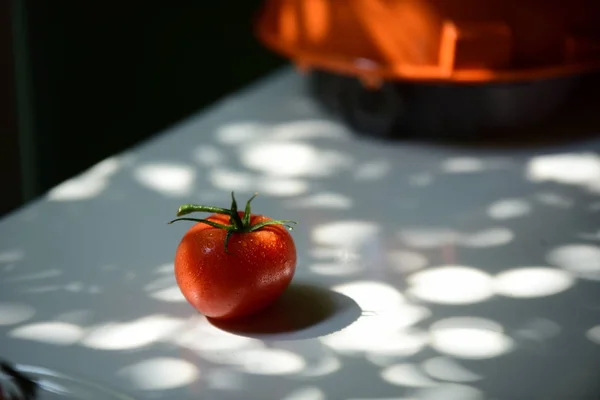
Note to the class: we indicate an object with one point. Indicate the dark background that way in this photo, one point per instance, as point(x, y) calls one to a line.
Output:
point(93, 78)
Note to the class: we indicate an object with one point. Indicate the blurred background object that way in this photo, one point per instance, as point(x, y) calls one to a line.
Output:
point(80, 81)
point(438, 68)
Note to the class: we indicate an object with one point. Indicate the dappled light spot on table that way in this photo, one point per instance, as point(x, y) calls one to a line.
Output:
point(395, 344)
point(302, 106)
point(278, 186)
point(15, 313)
point(380, 341)
point(448, 369)
point(371, 295)
point(463, 165)
point(224, 379)
point(170, 294)
point(509, 208)
point(167, 178)
point(165, 269)
point(581, 169)
point(538, 329)
point(421, 179)
point(555, 200)
point(324, 366)
point(268, 361)
point(382, 330)
point(593, 334)
point(406, 261)
point(208, 156)
point(241, 181)
point(308, 129)
point(56, 333)
point(229, 179)
point(11, 256)
point(210, 342)
point(240, 132)
point(470, 338)
point(530, 282)
point(408, 375)
point(336, 269)
point(450, 391)
point(43, 289)
point(165, 287)
point(78, 317)
point(46, 274)
point(306, 393)
point(595, 236)
point(160, 373)
point(372, 170)
point(336, 254)
point(487, 238)
point(132, 335)
point(427, 238)
point(349, 234)
point(451, 284)
point(291, 159)
point(87, 185)
point(325, 200)
point(582, 260)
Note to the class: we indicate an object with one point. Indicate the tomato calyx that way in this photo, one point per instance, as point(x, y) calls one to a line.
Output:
point(237, 224)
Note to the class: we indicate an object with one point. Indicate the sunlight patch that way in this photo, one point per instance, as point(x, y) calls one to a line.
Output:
point(88, 184)
point(346, 233)
point(582, 260)
point(15, 313)
point(336, 269)
point(323, 200)
point(508, 209)
point(427, 238)
point(306, 393)
point(407, 375)
point(325, 366)
point(167, 178)
point(265, 361)
point(56, 333)
point(470, 338)
point(240, 132)
point(450, 391)
point(448, 369)
point(132, 335)
point(594, 334)
point(290, 159)
point(487, 238)
point(569, 168)
point(451, 284)
point(530, 282)
point(160, 373)
point(308, 129)
point(407, 261)
point(373, 170)
point(208, 156)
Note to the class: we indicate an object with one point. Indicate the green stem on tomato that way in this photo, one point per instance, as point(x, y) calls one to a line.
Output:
point(236, 224)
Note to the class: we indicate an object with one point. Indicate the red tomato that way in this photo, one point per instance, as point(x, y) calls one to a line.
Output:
point(228, 277)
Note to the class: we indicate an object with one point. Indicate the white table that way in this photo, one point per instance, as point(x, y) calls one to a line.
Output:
point(447, 273)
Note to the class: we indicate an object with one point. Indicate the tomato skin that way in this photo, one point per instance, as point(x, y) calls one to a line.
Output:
point(258, 268)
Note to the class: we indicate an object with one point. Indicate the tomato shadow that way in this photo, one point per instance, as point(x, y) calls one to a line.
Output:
point(303, 311)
